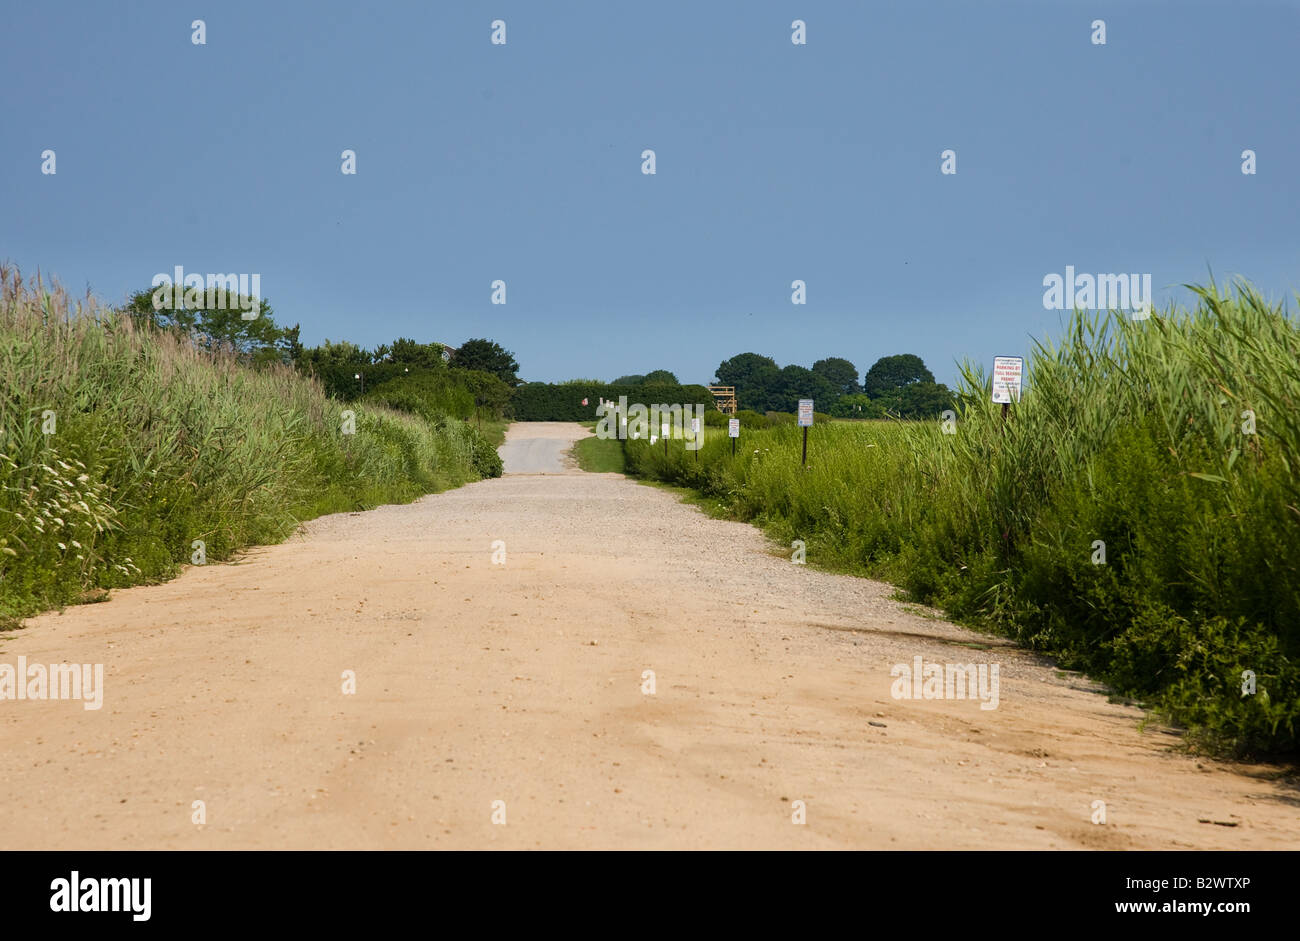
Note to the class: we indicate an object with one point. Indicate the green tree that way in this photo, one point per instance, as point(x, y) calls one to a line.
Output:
point(489, 391)
point(488, 357)
point(800, 382)
point(343, 353)
point(893, 373)
point(756, 378)
point(924, 400)
point(660, 377)
point(214, 320)
point(414, 354)
point(632, 380)
point(840, 373)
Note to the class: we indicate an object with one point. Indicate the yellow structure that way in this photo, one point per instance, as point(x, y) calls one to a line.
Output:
point(724, 397)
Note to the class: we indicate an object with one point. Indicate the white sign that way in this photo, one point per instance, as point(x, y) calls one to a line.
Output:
point(733, 428)
point(1007, 373)
point(805, 413)
point(695, 426)
point(666, 428)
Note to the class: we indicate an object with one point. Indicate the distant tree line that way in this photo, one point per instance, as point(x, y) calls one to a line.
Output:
point(898, 385)
point(656, 377)
point(404, 355)
point(895, 385)
point(216, 321)
point(476, 379)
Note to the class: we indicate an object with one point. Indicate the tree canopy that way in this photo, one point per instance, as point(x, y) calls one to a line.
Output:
point(487, 356)
point(412, 353)
point(841, 374)
point(891, 373)
point(215, 320)
point(899, 385)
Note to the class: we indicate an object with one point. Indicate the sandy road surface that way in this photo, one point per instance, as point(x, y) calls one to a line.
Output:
point(521, 683)
point(539, 448)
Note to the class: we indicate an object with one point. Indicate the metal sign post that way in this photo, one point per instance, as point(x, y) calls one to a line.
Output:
point(805, 422)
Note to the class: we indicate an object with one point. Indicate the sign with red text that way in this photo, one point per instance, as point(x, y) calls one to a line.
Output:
point(1008, 371)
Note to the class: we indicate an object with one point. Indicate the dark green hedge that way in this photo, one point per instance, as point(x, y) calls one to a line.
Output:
point(543, 401)
point(340, 381)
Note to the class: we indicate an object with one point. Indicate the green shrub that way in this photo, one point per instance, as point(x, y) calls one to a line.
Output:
point(433, 395)
point(486, 460)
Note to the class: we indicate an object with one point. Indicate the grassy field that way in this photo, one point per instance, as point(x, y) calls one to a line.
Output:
point(1137, 517)
point(599, 455)
point(122, 447)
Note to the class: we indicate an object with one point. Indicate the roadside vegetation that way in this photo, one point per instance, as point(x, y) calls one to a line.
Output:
point(578, 399)
point(599, 455)
point(127, 437)
point(1137, 515)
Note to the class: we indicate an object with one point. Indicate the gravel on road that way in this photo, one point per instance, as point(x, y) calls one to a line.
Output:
point(612, 666)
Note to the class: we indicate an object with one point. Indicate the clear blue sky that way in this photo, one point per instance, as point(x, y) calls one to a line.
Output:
point(775, 162)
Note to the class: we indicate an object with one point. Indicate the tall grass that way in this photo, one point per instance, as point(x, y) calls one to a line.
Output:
point(1130, 433)
point(120, 446)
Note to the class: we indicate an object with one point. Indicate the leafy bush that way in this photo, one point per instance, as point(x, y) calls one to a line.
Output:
point(340, 380)
point(434, 396)
point(444, 397)
point(486, 460)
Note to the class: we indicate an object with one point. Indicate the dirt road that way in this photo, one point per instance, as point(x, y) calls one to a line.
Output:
point(521, 681)
point(538, 448)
